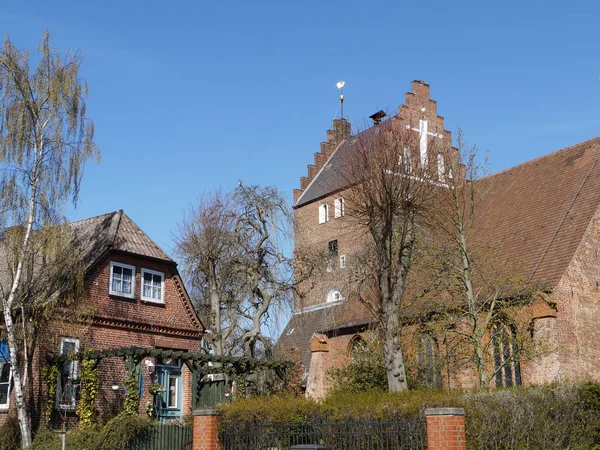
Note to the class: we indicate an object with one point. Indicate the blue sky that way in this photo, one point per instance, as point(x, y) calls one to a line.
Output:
point(191, 96)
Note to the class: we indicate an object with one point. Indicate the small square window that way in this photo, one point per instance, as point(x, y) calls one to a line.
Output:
point(122, 280)
point(153, 286)
point(333, 248)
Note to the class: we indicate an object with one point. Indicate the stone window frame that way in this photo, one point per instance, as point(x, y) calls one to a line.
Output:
point(331, 295)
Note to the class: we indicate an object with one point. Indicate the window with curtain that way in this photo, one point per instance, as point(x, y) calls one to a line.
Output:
point(153, 285)
point(122, 279)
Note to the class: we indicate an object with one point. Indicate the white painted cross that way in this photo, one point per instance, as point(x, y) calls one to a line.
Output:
point(423, 133)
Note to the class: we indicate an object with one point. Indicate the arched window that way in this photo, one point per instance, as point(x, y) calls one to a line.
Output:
point(429, 361)
point(338, 207)
point(507, 369)
point(357, 346)
point(335, 295)
point(323, 213)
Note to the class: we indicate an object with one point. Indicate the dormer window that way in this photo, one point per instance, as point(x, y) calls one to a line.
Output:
point(153, 286)
point(122, 280)
point(323, 213)
point(338, 207)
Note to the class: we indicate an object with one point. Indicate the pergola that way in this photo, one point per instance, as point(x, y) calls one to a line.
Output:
point(197, 363)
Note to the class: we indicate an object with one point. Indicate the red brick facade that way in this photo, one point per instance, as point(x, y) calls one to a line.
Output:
point(545, 216)
point(116, 322)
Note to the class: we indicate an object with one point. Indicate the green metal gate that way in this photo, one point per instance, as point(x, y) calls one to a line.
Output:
point(165, 437)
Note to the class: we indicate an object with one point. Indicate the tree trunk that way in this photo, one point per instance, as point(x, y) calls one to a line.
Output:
point(394, 358)
point(18, 387)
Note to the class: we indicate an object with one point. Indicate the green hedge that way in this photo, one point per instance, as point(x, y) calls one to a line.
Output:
point(556, 416)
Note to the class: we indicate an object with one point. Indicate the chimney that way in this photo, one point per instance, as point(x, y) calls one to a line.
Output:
point(377, 117)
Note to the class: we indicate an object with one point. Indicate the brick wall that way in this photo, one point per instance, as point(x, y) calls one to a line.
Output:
point(205, 430)
point(445, 428)
point(118, 322)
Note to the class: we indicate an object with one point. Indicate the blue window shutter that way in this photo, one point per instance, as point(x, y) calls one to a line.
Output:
point(4, 353)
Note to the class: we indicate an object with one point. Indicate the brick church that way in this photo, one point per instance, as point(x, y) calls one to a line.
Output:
point(544, 214)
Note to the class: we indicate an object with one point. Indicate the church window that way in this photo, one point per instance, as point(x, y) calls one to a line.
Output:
point(335, 295)
point(507, 369)
point(323, 213)
point(441, 168)
point(342, 261)
point(429, 371)
point(338, 207)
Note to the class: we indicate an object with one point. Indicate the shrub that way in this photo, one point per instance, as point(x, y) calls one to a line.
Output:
point(556, 416)
point(10, 434)
point(121, 431)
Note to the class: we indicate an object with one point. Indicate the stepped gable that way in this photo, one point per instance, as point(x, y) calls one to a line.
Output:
point(539, 211)
point(324, 177)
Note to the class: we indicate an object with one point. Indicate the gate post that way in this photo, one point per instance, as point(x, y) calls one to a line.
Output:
point(205, 433)
point(445, 428)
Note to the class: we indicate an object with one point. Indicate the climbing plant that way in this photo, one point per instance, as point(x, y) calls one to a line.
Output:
point(50, 376)
point(90, 387)
point(132, 387)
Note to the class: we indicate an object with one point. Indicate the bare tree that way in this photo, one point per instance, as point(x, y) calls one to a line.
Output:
point(391, 182)
point(480, 289)
point(45, 140)
point(233, 249)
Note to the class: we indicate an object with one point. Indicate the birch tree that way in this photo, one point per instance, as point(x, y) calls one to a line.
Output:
point(45, 140)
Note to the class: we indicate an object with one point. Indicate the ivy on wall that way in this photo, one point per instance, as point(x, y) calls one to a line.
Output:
point(90, 387)
point(132, 387)
point(50, 376)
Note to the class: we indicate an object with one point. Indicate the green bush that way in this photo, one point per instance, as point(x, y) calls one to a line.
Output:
point(10, 434)
point(117, 434)
point(556, 416)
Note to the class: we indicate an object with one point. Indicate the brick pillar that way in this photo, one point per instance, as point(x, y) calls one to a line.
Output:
point(445, 428)
point(205, 430)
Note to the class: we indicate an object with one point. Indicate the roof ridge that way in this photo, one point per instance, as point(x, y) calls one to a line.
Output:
point(524, 163)
point(114, 230)
point(94, 217)
point(146, 235)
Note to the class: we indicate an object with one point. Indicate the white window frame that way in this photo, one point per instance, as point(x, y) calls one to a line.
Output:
point(323, 213)
point(110, 280)
point(75, 375)
point(342, 261)
point(338, 207)
point(6, 406)
point(162, 286)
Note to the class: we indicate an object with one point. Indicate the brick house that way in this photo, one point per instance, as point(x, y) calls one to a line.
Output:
point(136, 299)
point(545, 216)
